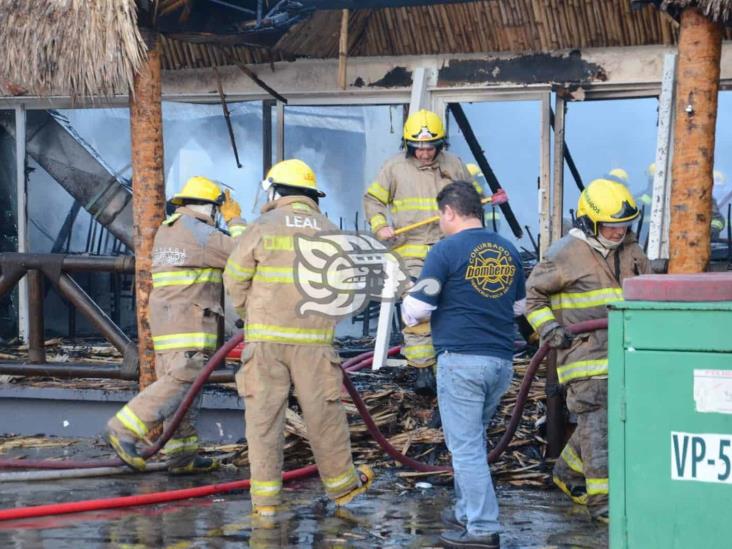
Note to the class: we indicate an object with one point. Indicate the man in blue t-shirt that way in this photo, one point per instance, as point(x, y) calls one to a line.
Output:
point(471, 287)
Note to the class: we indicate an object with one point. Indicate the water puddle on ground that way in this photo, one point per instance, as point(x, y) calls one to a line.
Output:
point(389, 515)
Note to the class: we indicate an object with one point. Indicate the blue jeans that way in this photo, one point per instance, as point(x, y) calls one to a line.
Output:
point(469, 389)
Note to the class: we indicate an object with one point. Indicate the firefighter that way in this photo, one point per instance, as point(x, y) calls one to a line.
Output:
point(581, 274)
point(189, 256)
point(405, 191)
point(492, 216)
point(285, 348)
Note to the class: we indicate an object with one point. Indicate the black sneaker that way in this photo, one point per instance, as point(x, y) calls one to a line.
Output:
point(425, 384)
point(449, 519)
point(453, 538)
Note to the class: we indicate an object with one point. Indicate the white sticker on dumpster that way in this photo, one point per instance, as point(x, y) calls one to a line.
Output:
point(713, 391)
point(701, 457)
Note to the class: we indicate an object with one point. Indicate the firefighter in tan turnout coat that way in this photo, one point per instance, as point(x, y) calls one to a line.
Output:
point(189, 256)
point(405, 191)
point(285, 348)
point(581, 274)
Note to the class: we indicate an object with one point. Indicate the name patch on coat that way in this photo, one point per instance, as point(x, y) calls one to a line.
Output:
point(301, 222)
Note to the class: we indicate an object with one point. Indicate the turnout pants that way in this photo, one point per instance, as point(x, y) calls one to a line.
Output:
point(418, 349)
point(175, 371)
point(264, 380)
point(582, 466)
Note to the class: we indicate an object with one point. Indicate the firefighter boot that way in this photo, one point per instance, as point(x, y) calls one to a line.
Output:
point(267, 511)
point(366, 476)
point(199, 464)
point(126, 451)
point(576, 493)
point(425, 384)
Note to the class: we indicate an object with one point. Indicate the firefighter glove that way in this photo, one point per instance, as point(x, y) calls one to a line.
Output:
point(559, 338)
point(230, 208)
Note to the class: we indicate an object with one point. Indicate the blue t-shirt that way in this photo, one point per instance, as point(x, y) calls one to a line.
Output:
point(480, 277)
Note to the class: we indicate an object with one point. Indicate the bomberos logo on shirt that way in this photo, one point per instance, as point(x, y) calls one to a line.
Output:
point(490, 270)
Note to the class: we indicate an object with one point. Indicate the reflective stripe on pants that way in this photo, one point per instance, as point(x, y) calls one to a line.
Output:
point(582, 369)
point(287, 334)
point(189, 340)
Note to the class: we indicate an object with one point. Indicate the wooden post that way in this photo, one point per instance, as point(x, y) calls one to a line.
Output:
point(343, 51)
point(700, 47)
point(148, 186)
point(36, 341)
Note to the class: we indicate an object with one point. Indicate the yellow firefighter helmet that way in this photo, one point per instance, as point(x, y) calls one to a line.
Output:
point(201, 189)
point(620, 175)
point(424, 129)
point(292, 173)
point(605, 201)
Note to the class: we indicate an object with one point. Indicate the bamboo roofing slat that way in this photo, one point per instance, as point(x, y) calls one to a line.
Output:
point(503, 8)
point(564, 31)
point(541, 24)
point(409, 32)
point(633, 32)
point(171, 53)
point(588, 21)
point(529, 31)
point(482, 30)
point(575, 22)
point(555, 35)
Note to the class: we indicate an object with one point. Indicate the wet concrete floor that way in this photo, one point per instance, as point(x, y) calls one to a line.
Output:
point(392, 514)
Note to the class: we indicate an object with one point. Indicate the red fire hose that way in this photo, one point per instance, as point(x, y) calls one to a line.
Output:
point(351, 365)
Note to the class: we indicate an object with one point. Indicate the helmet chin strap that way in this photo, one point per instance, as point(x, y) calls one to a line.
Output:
point(272, 194)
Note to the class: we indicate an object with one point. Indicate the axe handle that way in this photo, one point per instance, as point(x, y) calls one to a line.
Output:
point(498, 198)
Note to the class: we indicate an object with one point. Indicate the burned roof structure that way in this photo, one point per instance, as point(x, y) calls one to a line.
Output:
point(385, 28)
point(98, 48)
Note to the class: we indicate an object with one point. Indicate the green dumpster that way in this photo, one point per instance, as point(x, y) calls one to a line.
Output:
point(670, 413)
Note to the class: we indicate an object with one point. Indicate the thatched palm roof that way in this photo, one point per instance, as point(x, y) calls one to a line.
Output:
point(80, 48)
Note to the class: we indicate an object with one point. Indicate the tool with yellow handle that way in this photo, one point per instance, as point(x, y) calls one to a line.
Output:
point(499, 197)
